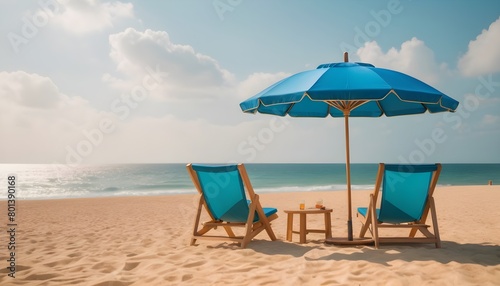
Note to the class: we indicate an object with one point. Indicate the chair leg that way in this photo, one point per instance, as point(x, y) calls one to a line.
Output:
point(197, 221)
point(263, 219)
point(435, 236)
point(374, 222)
point(435, 223)
point(365, 224)
point(193, 241)
point(229, 231)
point(270, 231)
point(249, 225)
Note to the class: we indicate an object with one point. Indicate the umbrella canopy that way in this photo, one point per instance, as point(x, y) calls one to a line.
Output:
point(348, 90)
point(369, 92)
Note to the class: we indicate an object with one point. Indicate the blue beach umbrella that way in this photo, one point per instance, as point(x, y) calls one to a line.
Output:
point(346, 90)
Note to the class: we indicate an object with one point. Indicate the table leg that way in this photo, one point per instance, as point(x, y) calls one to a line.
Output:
point(328, 225)
point(303, 228)
point(289, 227)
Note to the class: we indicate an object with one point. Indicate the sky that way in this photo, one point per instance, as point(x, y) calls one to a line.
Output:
point(105, 82)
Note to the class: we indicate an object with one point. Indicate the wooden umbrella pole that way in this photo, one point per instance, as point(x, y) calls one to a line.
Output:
point(347, 110)
point(348, 176)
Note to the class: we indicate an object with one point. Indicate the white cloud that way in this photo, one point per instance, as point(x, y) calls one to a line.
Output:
point(36, 93)
point(483, 55)
point(39, 120)
point(185, 72)
point(84, 16)
point(47, 126)
point(28, 90)
point(413, 58)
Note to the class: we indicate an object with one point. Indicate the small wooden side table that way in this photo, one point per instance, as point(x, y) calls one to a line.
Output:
point(303, 224)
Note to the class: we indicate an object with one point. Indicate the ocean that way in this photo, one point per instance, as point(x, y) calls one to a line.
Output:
point(41, 181)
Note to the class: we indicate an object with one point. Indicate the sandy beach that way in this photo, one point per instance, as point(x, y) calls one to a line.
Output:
point(145, 241)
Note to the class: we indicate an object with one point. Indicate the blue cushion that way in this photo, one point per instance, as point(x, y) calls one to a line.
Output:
point(267, 211)
point(270, 211)
point(364, 211)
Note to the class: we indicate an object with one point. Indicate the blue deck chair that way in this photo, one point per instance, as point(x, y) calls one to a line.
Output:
point(405, 203)
point(222, 195)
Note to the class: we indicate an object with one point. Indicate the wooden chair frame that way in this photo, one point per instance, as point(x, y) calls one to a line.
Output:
point(370, 222)
point(251, 228)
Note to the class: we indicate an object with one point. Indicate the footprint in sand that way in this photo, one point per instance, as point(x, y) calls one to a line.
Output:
point(41, 276)
point(195, 264)
point(76, 254)
point(147, 242)
point(19, 268)
point(104, 267)
point(30, 251)
point(62, 262)
point(130, 265)
point(187, 277)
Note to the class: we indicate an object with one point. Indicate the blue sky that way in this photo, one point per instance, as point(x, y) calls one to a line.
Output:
point(85, 82)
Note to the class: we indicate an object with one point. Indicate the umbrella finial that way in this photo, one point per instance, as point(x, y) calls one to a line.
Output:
point(346, 57)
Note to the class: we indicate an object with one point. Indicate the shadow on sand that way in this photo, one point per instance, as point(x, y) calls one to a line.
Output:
point(277, 247)
point(284, 248)
point(481, 254)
